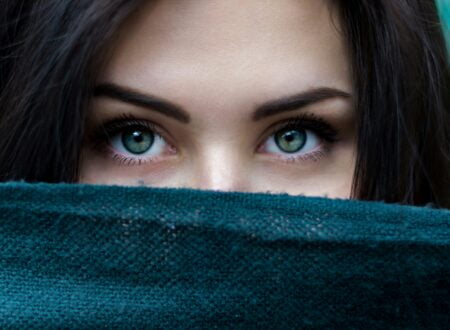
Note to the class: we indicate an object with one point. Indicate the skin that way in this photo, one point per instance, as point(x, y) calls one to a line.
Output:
point(219, 60)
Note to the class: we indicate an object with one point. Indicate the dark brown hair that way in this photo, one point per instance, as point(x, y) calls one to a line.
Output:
point(50, 55)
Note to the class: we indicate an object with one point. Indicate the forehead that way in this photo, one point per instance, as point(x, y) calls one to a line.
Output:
point(230, 48)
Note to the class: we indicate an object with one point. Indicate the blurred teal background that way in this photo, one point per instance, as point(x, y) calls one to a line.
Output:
point(444, 8)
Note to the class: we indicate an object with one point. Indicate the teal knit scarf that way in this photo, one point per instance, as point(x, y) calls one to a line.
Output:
point(95, 256)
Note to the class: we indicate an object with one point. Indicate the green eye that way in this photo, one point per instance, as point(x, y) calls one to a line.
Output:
point(137, 141)
point(291, 140)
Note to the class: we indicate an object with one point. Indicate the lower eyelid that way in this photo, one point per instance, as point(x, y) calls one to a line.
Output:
point(317, 154)
point(130, 161)
point(139, 160)
point(311, 156)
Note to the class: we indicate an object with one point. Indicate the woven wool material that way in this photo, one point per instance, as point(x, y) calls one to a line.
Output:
point(97, 256)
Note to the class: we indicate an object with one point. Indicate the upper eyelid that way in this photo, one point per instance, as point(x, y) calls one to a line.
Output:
point(306, 120)
point(122, 122)
point(132, 121)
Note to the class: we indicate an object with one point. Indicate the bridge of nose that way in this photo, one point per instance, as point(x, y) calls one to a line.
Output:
point(222, 165)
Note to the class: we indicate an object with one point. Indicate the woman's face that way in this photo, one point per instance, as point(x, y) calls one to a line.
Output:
point(231, 95)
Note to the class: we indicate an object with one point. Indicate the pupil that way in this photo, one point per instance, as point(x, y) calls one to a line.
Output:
point(289, 137)
point(137, 141)
point(291, 141)
point(138, 136)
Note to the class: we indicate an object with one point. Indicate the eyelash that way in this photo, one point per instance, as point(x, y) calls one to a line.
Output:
point(308, 122)
point(100, 136)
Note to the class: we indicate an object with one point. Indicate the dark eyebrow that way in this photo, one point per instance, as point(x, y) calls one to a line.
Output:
point(270, 108)
point(297, 101)
point(147, 101)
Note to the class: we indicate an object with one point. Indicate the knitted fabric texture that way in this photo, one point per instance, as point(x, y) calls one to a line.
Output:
point(108, 256)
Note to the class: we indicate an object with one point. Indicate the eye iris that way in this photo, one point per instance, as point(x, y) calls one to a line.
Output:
point(137, 141)
point(290, 141)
